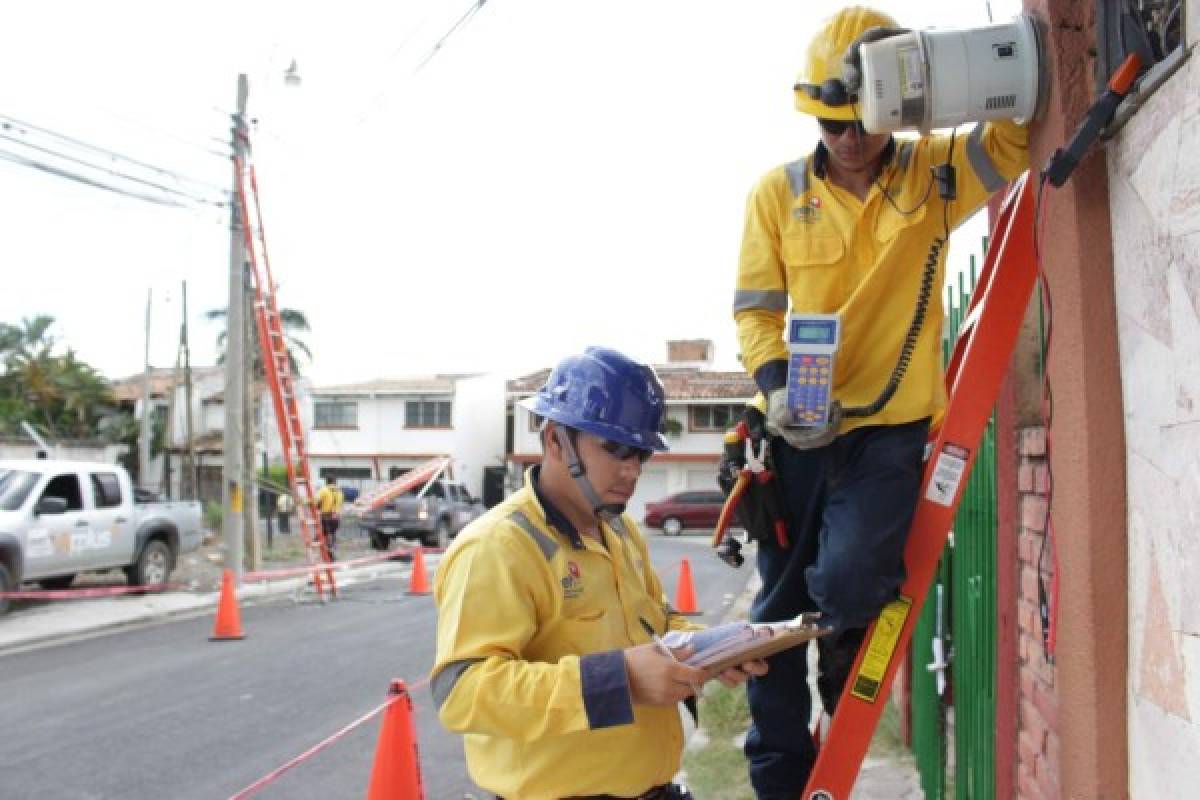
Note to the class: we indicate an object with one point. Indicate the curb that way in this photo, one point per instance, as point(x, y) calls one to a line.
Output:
point(28, 630)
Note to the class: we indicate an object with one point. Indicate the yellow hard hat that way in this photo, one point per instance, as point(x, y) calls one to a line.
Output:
point(824, 59)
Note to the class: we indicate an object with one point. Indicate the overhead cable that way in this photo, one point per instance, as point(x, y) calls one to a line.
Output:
point(463, 20)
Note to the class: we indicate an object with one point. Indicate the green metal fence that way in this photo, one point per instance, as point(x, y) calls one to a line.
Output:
point(962, 604)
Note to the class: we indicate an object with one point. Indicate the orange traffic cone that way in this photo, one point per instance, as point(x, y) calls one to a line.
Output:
point(397, 771)
point(419, 582)
point(685, 593)
point(228, 624)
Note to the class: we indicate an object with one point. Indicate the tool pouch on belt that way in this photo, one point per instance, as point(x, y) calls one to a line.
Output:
point(753, 513)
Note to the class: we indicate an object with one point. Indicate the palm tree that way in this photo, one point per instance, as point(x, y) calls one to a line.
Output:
point(61, 394)
point(293, 322)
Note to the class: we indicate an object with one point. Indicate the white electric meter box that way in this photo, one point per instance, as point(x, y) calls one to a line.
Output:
point(812, 342)
point(938, 79)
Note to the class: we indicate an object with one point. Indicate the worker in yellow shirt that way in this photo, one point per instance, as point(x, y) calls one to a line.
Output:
point(329, 507)
point(854, 231)
point(548, 607)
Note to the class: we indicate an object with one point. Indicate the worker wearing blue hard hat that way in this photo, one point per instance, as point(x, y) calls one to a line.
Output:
point(548, 607)
point(854, 231)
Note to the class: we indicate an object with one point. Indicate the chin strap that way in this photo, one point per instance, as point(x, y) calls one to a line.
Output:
point(608, 512)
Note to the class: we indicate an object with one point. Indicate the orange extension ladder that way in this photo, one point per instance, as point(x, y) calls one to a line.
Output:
point(973, 378)
point(278, 368)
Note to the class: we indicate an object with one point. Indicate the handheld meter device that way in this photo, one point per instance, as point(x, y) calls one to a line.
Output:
point(812, 341)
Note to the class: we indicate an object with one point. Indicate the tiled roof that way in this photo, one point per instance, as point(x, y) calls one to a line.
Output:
point(680, 383)
point(161, 381)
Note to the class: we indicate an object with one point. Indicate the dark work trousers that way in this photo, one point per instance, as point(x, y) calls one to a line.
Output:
point(848, 507)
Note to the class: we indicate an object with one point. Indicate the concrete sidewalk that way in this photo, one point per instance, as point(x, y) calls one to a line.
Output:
point(38, 624)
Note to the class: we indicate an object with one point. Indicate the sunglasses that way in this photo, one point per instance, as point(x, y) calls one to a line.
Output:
point(836, 127)
point(624, 452)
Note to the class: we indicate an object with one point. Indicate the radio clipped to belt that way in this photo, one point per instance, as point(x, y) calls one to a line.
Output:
point(746, 477)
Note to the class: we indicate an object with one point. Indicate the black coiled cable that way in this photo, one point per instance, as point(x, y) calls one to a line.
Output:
point(924, 293)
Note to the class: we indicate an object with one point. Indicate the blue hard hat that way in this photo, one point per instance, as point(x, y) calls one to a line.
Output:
point(604, 393)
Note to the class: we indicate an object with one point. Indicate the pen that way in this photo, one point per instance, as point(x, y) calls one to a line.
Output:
point(666, 650)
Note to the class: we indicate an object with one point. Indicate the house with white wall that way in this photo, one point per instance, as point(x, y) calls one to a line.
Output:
point(702, 404)
point(364, 434)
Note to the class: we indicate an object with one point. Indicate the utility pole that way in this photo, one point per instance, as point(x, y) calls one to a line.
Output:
point(250, 428)
point(189, 465)
point(234, 498)
point(147, 430)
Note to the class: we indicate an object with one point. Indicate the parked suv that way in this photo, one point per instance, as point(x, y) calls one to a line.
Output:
point(690, 509)
point(441, 512)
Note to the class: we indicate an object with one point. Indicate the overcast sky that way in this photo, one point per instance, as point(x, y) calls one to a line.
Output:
point(560, 173)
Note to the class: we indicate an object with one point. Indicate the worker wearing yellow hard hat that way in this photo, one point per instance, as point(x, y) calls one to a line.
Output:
point(854, 231)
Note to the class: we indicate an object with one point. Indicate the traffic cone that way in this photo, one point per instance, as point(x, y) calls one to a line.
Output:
point(228, 624)
point(685, 593)
point(397, 771)
point(419, 582)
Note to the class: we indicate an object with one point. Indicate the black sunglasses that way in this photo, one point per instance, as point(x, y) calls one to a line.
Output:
point(624, 452)
point(836, 127)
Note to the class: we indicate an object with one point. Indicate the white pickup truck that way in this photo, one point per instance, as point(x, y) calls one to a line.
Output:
point(60, 518)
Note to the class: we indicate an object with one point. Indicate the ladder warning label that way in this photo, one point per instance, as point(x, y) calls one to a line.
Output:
point(881, 648)
point(947, 474)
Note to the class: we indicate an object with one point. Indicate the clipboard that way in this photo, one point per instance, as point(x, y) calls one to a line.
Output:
point(736, 643)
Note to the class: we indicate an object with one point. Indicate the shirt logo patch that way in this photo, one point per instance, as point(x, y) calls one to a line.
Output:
point(572, 582)
point(808, 212)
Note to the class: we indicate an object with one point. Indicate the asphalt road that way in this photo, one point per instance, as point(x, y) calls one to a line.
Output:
point(161, 712)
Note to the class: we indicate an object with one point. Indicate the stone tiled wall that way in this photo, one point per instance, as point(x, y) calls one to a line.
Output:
point(1037, 762)
point(1154, 180)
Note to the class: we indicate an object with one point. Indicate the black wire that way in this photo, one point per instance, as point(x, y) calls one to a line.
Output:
point(1045, 612)
point(13, 122)
point(74, 176)
point(109, 170)
point(891, 200)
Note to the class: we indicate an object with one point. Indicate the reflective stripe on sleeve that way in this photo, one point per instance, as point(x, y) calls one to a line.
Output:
point(605, 689)
point(981, 162)
point(444, 682)
point(547, 545)
point(797, 175)
point(905, 154)
point(760, 299)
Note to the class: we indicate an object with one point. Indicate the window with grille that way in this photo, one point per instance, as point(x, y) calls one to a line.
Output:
point(713, 418)
point(335, 414)
point(427, 413)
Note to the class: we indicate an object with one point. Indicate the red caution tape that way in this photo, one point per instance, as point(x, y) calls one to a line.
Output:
point(96, 591)
point(274, 774)
point(290, 572)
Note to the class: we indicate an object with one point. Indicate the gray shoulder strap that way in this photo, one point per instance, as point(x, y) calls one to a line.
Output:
point(546, 544)
point(797, 175)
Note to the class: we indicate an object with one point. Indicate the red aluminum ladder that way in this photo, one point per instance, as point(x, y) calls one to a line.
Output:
point(981, 358)
point(278, 369)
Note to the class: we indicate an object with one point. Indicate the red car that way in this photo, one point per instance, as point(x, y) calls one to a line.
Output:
point(690, 509)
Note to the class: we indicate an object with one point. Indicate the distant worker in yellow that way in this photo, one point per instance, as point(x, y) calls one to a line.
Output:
point(329, 507)
point(548, 607)
point(851, 235)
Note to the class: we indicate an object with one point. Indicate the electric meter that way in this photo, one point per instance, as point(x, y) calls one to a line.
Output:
point(938, 79)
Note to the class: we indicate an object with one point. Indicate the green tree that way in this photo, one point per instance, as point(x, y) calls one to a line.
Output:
point(294, 324)
point(60, 394)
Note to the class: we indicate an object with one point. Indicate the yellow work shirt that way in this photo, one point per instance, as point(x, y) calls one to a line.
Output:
point(532, 618)
point(329, 500)
point(814, 247)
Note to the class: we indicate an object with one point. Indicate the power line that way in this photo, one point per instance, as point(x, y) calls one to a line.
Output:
point(12, 124)
point(75, 176)
point(112, 172)
point(463, 20)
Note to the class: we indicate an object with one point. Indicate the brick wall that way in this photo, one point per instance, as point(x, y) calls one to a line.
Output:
point(1037, 694)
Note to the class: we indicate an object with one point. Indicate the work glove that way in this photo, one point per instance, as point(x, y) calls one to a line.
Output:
point(801, 437)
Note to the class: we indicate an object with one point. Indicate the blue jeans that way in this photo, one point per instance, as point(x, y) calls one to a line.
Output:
point(848, 507)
